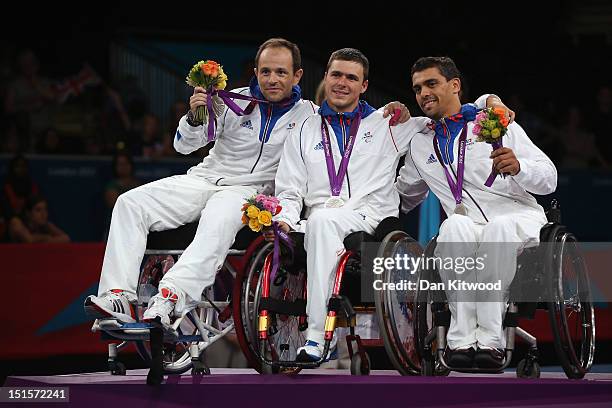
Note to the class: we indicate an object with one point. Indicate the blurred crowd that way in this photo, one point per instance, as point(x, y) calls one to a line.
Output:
point(80, 114)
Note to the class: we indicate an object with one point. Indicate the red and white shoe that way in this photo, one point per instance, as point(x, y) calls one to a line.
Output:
point(161, 307)
point(112, 304)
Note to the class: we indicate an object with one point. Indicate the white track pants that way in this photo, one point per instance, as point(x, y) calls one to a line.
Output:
point(324, 235)
point(166, 204)
point(477, 322)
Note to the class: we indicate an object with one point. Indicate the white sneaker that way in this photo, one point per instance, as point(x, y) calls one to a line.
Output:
point(161, 307)
point(312, 351)
point(112, 304)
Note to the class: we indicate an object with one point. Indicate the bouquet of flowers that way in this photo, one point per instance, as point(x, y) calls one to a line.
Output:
point(258, 211)
point(210, 76)
point(490, 125)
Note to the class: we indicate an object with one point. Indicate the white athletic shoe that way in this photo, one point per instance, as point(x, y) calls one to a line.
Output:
point(112, 304)
point(161, 307)
point(312, 351)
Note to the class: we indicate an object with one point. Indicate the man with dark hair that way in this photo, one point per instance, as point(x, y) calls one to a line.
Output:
point(342, 166)
point(488, 221)
point(242, 163)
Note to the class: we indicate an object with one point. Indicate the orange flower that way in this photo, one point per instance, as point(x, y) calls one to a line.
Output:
point(245, 219)
point(501, 112)
point(504, 121)
point(245, 206)
point(210, 68)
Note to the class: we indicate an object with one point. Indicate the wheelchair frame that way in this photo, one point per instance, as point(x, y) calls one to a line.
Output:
point(432, 362)
point(257, 328)
point(201, 319)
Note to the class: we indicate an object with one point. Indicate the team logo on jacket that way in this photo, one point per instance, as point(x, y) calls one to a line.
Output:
point(319, 146)
point(247, 124)
point(469, 144)
point(367, 137)
point(432, 159)
point(291, 126)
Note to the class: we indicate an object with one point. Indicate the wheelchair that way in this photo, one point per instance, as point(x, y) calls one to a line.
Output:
point(271, 317)
point(554, 275)
point(181, 348)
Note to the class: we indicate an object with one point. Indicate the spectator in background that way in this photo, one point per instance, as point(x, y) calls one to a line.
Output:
point(33, 225)
point(114, 119)
point(18, 187)
point(320, 93)
point(29, 98)
point(177, 111)
point(49, 142)
point(599, 123)
point(578, 143)
point(146, 140)
point(124, 180)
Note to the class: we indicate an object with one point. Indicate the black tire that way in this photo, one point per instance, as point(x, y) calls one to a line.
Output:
point(571, 312)
point(528, 369)
point(395, 309)
point(116, 368)
point(357, 364)
point(243, 306)
point(287, 337)
point(424, 302)
point(427, 368)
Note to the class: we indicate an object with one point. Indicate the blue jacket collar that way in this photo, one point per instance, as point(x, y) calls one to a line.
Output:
point(362, 107)
point(454, 123)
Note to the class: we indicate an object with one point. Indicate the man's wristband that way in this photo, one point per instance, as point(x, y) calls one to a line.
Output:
point(191, 120)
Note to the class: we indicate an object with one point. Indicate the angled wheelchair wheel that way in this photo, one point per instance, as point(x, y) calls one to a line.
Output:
point(395, 308)
point(286, 333)
point(571, 311)
point(244, 313)
point(426, 304)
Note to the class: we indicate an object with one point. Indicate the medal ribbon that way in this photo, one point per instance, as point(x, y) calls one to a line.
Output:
point(336, 180)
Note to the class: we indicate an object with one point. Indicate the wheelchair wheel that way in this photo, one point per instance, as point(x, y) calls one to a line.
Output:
point(571, 311)
point(285, 334)
point(244, 313)
point(395, 308)
point(359, 366)
point(426, 303)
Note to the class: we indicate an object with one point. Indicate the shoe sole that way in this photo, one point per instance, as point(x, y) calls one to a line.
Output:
point(157, 321)
point(304, 357)
point(98, 312)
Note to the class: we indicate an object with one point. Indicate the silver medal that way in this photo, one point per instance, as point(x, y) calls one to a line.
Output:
point(461, 209)
point(334, 202)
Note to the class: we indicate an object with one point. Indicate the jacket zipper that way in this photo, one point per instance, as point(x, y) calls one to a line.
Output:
point(447, 132)
point(263, 139)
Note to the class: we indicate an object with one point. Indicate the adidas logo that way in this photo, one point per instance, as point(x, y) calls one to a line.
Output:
point(432, 159)
point(247, 124)
point(319, 146)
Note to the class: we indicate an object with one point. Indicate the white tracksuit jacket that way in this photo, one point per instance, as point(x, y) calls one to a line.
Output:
point(501, 220)
point(239, 157)
point(367, 191)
